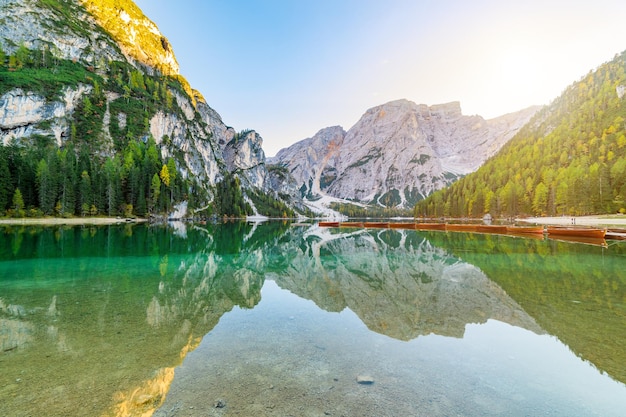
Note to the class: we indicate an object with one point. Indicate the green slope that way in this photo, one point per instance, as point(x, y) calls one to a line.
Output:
point(570, 159)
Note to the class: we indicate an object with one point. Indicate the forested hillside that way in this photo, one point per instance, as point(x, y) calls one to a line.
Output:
point(96, 120)
point(569, 160)
point(83, 177)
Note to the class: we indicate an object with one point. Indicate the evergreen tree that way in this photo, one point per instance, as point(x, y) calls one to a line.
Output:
point(112, 180)
point(18, 203)
point(46, 188)
point(85, 194)
point(568, 161)
point(155, 192)
point(6, 182)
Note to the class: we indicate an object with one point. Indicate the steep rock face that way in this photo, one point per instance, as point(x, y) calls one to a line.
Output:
point(38, 26)
point(22, 113)
point(398, 153)
point(138, 37)
point(244, 155)
point(95, 33)
point(312, 161)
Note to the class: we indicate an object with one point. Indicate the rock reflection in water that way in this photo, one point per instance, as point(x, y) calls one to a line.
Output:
point(575, 292)
point(94, 321)
point(398, 283)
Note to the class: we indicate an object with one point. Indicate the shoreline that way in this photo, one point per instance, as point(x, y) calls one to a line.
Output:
point(600, 220)
point(73, 221)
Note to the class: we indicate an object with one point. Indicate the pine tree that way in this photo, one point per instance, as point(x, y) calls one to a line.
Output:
point(112, 178)
point(5, 179)
point(85, 194)
point(155, 192)
point(45, 184)
point(18, 203)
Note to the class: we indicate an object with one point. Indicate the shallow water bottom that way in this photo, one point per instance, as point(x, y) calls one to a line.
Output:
point(286, 357)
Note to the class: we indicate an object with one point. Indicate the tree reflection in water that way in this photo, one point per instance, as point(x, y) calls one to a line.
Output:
point(106, 314)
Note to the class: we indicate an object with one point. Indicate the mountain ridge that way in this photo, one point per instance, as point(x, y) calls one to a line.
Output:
point(99, 78)
point(397, 153)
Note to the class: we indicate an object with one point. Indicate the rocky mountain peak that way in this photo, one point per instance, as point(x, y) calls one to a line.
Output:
point(398, 152)
point(244, 154)
point(312, 161)
point(138, 37)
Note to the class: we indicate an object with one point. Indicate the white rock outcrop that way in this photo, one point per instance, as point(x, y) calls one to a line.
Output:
point(26, 22)
point(22, 113)
point(244, 155)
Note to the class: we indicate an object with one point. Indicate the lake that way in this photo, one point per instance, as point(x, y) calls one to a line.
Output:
point(281, 319)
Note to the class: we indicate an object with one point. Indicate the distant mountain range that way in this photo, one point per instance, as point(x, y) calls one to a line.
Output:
point(397, 153)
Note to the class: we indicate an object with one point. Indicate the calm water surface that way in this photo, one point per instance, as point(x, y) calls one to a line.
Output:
point(281, 320)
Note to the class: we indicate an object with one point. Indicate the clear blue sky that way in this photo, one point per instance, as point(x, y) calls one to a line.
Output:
point(287, 68)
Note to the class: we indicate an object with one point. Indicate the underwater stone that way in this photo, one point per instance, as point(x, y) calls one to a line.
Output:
point(364, 379)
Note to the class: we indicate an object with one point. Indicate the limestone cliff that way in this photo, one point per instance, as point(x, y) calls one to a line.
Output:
point(397, 153)
point(244, 155)
point(137, 36)
point(114, 47)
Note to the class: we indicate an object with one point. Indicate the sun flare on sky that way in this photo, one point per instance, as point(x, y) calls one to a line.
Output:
point(288, 68)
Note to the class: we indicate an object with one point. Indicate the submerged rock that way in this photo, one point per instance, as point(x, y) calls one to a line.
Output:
point(364, 379)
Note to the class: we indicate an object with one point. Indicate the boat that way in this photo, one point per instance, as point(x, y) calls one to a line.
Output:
point(490, 228)
point(351, 224)
point(616, 234)
point(378, 225)
point(525, 230)
point(461, 227)
point(535, 236)
point(430, 226)
point(329, 224)
point(576, 231)
point(409, 226)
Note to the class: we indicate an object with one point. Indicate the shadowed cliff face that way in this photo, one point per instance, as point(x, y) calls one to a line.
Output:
point(123, 306)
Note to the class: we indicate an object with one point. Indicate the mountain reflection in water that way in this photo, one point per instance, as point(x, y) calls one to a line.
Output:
point(94, 321)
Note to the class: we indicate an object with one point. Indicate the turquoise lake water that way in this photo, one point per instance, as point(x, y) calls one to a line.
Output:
point(279, 319)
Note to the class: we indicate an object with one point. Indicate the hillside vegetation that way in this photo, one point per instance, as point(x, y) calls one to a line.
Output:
point(569, 160)
point(77, 122)
point(81, 178)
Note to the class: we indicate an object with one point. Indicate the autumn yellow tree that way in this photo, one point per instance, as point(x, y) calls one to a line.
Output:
point(165, 175)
